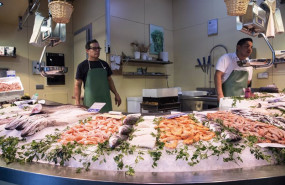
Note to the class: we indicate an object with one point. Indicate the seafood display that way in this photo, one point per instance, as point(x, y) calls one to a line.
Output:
point(210, 140)
point(218, 128)
point(123, 132)
point(182, 128)
point(9, 114)
point(10, 86)
point(277, 121)
point(97, 130)
point(144, 134)
point(266, 133)
point(46, 116)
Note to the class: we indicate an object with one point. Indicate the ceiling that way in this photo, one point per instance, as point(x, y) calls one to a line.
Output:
point(12, 9)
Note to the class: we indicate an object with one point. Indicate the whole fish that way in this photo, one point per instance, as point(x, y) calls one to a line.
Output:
point(44, 116)
point(201, 117)
point(31, 119)
point(116, 140)
point(216, 127)
point(276, 121)
point(51, 121)
point(282, 119)
point(125, 129)
point(281, 108)
point(36, 126)
point(131, 119)
point(229, 136)
point(50, 109)
point(16, 122)
point(7, 120)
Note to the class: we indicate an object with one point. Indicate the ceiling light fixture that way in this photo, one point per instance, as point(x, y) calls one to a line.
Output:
point(1, 4)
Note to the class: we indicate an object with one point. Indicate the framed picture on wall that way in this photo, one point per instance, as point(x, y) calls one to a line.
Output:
point(156, 39)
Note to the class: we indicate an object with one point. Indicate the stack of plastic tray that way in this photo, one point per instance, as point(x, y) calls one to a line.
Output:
point(10, 88)
point(163, 92)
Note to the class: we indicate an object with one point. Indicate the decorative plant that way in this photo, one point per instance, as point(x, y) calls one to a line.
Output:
point(144, 49)
point(135, 45)
point(141, 48)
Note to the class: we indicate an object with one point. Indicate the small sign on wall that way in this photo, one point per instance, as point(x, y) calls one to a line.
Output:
point(213, 27)
point(7, 51)
point(262, 75)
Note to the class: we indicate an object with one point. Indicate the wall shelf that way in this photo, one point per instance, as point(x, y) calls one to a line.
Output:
point(145, 75)
point(146, 61)
point(13, 56)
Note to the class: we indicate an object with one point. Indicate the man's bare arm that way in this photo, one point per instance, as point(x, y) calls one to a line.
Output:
point(218, 84)
point(77, 91)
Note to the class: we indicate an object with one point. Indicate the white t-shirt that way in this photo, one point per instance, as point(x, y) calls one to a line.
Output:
point(228, 62)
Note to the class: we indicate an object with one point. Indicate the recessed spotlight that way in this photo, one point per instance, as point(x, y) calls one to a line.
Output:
point(1, 4)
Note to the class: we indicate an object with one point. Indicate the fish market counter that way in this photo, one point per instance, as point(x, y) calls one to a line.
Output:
point(45, 174)
point(188, 151)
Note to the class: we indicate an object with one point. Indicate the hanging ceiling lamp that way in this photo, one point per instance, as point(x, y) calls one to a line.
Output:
point(61, 11)
point(236, 7)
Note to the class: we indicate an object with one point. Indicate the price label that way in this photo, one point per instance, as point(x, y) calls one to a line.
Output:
point(96, 107)
point(175, 115)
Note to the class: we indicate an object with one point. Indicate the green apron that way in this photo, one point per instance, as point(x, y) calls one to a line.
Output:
point(234, 85)
point(97, 88)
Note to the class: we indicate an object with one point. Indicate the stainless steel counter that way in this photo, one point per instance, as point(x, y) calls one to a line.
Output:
point(45, 174)
point(193, 103)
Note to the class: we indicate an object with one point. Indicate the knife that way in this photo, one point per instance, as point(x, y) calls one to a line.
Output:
point(209, 63)
point(200, 64)
point(204, 64)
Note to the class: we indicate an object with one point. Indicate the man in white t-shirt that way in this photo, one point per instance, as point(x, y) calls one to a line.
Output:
point(230, 79)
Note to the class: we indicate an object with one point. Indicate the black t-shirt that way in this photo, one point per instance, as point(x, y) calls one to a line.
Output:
point(83, 68)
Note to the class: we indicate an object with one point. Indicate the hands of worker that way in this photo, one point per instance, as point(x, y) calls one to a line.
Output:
point(220, 96)
point(117, 100)
point(77, 102)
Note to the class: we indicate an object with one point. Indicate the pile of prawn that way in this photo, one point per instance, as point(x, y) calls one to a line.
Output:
point(265, 132)
point(182, 128)
point(9, 86)
point(95, 131)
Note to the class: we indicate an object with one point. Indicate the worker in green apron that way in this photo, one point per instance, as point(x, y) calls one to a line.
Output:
point(230, 79)
point(95, 74)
